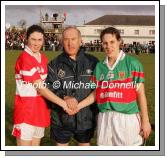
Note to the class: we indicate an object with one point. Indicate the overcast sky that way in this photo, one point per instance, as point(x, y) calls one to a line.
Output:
point(76, 14)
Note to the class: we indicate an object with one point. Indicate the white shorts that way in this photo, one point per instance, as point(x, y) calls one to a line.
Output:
point(25, 131)
point(118, 129)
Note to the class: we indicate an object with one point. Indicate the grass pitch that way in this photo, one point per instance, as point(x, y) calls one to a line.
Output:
point(148, 61)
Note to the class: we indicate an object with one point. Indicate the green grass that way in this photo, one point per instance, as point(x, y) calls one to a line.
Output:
point(10, 58)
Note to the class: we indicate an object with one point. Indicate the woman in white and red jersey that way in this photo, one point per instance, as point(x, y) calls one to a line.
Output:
point(31, 114)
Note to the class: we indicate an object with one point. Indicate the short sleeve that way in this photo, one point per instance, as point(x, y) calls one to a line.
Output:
point(137, 72)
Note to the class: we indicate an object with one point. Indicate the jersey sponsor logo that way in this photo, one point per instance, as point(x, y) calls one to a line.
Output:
point(61, 73)
point(111, 95)
point(115, 95)
point(121, 75)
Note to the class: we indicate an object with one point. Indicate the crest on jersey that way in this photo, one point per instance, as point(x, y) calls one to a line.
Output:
point(89, 71)
point(110, 75)
point(61, 73)
point(121, 75)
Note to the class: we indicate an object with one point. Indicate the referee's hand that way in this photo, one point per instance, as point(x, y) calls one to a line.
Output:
point(72, 105)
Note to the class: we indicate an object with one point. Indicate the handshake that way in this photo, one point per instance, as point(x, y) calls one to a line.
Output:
point(72, 105)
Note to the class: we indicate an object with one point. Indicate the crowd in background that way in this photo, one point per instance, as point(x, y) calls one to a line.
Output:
point(15, 40)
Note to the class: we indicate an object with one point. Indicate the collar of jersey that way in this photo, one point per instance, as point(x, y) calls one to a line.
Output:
point(120, 57)
point(29, 51)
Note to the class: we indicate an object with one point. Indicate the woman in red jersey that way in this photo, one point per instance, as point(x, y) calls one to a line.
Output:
point(31, 114)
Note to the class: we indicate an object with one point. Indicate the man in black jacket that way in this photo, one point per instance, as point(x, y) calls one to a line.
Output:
point(69, 77)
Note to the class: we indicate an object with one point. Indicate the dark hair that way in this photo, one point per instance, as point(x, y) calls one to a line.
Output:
point(111, 30)
point(34, 28)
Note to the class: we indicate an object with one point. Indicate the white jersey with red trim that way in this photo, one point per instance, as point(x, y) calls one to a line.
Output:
point(29, 106)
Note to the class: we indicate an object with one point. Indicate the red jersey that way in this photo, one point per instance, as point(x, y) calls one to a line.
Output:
point(29, 106)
